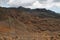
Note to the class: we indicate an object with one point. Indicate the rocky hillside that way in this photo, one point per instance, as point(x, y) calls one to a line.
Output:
point(29, 24)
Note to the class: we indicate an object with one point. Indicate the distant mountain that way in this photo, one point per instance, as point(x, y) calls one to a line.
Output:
point(40, 12)
point(23, 22)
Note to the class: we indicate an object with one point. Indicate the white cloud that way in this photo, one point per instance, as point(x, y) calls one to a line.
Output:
point(20, 2)
point(31, 3)
point(56, 0)
point(57, 4)
point(47, 4)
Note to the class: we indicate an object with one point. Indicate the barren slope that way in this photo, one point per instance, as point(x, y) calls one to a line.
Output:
point(27, 24)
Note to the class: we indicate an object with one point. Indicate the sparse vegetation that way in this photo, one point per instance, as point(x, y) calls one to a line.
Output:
point(29, 24)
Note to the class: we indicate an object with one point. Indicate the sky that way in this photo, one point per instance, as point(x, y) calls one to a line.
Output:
point(53, 5)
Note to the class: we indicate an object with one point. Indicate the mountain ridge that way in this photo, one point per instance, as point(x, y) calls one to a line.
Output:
point(37, 12)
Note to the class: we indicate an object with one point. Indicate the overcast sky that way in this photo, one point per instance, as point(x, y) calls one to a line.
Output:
point(48, 4)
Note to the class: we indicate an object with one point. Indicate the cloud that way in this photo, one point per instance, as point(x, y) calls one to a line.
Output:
point(26, 3)
point(20, 2)
point(3, 3)
point(44, 4)
point(37, 4)
point(30, 3)
point(56, 1)
point(42, 1)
